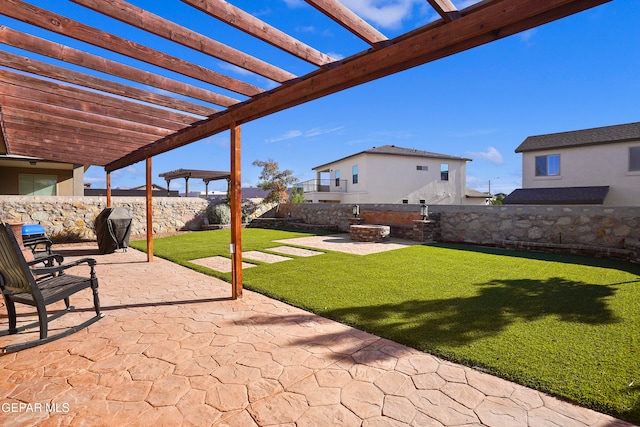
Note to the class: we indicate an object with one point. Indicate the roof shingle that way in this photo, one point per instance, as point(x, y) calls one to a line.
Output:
point(594, 136)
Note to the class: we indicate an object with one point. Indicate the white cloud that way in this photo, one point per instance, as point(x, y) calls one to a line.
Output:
point(527, 36)
point(298, 133)
point(491, 155)
point(288, 135)
point(385, 13)
point(294, 3)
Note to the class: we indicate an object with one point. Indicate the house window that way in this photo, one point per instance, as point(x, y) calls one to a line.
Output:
point(634, 159)
point(337, 178)
point(422, 168)
point(444, 172)
point(548, 165)
point(405, 201)
point(423, 201)
point(37, 185)
point(354, 173)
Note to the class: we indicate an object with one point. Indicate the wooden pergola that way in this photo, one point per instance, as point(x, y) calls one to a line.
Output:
point(60, 114)
point(187, 174)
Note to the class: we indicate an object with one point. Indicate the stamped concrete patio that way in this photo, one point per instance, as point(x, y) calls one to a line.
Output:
point(174, 350)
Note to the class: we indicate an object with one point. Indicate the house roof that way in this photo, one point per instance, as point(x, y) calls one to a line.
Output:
point(578, 138)
point(392, 150)
point(475, 194)
point(558, 196)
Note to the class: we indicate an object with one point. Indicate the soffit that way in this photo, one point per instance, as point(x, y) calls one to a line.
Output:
point(119, 83)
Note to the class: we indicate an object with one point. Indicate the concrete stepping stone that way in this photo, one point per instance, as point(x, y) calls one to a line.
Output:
point(264, 257)
point(219, 263)
point(290, 250)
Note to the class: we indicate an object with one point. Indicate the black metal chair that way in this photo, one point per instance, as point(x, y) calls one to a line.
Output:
point(23, 282)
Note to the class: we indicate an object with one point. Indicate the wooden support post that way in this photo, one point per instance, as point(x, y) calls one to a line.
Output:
point(236, 215)
point(149, 187)
point(108, 189)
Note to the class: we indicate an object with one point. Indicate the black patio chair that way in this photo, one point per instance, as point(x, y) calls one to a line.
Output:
point(23, 282)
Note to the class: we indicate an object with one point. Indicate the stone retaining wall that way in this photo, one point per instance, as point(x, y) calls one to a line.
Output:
point(72, 218)
point(488, 225)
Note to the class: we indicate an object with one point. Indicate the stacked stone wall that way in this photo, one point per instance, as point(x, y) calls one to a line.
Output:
point(598, 226)
point(73, 218)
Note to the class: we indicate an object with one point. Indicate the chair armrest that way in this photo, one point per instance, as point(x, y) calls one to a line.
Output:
point(60, 268)
point(47, 260)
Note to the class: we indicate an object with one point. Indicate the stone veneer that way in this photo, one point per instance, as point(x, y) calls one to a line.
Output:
point(72, 218)
point(601, 226)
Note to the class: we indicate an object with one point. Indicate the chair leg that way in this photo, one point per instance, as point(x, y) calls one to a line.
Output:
point(43, 321)
point(11, 312)
point(66, 302)
point(96, 300)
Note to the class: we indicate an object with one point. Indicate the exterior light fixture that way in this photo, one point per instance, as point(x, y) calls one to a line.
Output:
point(424, 212)
point(356, 211)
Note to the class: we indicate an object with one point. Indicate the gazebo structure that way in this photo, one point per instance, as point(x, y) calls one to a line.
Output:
point(206, 176)
point(60, 114)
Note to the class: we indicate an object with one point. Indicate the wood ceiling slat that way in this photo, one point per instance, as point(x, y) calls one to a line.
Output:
point(446, 9)
point(60, 149)
point(169, 30)
point(30, 88)
point(92, 120)
point(42, 18)
point(36, 133)
point(43, 69)
point(349, 20)
point(74, 56)
point(243, 21)
point(101, 127)
point(493, 20)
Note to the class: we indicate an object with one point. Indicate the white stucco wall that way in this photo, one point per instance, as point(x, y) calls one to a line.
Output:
point(590, 166)
point(392, 179)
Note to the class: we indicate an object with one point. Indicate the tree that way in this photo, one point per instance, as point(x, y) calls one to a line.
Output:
point(297, 195)
point(275, 181)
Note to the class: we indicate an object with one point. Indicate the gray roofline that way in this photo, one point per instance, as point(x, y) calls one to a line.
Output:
point(400, 151)
point(584, 137)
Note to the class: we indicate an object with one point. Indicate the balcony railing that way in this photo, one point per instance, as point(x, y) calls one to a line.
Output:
point(324, 186)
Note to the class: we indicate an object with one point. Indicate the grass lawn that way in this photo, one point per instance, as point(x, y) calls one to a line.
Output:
point(569, 326)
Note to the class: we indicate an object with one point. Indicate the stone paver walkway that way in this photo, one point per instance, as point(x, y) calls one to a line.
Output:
point(342, 243)
point(174, 350)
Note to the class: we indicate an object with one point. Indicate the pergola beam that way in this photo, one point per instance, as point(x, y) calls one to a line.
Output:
point(169, 30)
point(51, 71)
point(490, 20)
point(74, 56)
point(349, 20)
point(243, 21)
point(59, 24)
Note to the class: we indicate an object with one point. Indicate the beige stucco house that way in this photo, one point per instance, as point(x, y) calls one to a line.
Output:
point(590, 166)
point(35, 177)
point(391, 174)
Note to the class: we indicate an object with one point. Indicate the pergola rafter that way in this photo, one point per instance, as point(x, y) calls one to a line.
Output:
point(56, 23)
point(169, 30)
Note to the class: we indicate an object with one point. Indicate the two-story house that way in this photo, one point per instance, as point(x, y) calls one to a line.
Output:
point(590, 166)
point(391, 174)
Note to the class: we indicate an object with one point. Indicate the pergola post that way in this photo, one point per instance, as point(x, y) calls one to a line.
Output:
point(108, 189)
point(149, 213)
point(236, 215)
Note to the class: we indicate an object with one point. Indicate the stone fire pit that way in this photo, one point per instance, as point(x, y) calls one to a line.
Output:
point(369, 233)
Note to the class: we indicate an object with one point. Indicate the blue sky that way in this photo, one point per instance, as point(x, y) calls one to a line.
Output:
point(579, 72)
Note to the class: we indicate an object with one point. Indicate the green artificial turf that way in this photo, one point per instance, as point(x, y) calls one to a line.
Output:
point(569, 326)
